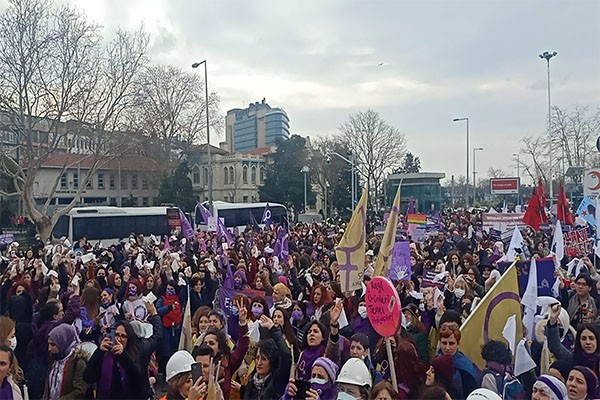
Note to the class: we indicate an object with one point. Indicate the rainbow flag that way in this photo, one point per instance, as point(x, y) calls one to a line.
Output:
point(418, 219)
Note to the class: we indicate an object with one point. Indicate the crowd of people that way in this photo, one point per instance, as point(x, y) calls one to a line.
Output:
point(80, 320)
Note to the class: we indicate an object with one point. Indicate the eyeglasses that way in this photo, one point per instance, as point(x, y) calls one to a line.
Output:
point(120, 335)
point(450, 326)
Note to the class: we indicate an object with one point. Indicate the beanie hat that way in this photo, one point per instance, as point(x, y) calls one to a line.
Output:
point(329, 366)
point(553, 386)
point(240, 273)
point(591, 380)
point(283, 279)
point(450, 316)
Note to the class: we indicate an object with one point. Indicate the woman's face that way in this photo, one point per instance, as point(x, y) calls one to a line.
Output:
point(576, 385)
point(215, 322)
point(184, 389)
point(4, 365)
point(258, 283)
point(277, 294)
point(314, 336)
point(455, 259)
point(430, 376)
point(212, 342)
point(203, 323)
point(449, 345)
point(278, 318)
point(27, 279)
point(263, 364)
point(540, 393)
point(121, 336)
point(352, 390)
point(118, 280)
point(19, 290)
point(317, 296)
point(105, 297)
point(29, 254)
point(10, 336)
point(588, 341)
point(413, 261)
point(149, 283)
point(319, 372)
point(408, 316)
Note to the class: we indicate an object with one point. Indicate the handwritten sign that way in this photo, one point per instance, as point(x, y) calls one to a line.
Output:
point(578, 242)
point(383, 306)
point(400, 267)
point(7, 238)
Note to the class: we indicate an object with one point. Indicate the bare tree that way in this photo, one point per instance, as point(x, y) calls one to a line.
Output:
point(377, 146)
point(55, 69)
point(170, 107)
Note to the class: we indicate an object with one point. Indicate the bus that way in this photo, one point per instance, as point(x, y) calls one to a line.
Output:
point(108, 225)
point(237, 215)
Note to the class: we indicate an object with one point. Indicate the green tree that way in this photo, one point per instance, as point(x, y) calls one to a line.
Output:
point(177, 188)
point(284, 182)
point(410, 164)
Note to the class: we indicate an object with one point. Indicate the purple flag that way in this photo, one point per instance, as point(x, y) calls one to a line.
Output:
point(266, 218)
point(223, 232)
point(228, 283)
point(186, 227)
point(204, 212)
point(203, 245)
point(281, 249)
point(400, 268)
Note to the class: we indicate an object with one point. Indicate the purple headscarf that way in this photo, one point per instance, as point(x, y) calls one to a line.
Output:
point(64, 337)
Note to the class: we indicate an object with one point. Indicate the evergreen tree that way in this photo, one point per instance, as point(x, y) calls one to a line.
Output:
point(177, 188)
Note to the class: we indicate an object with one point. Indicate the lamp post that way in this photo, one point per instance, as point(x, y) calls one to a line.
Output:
point(547, 56)
point(210, 196)
point(467, 174)
point(326, 204)
point(474, 172)
point(518, 176)
point(305, 170)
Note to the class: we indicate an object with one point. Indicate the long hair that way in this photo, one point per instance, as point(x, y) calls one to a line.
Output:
point(224, 350)
point(579, 355)
point(89, 300)
point(6, 326)
point(15, 371)
point(132, 348)
point(288, 330)
point(174, 384)
point(410, 369)
point(323, 330)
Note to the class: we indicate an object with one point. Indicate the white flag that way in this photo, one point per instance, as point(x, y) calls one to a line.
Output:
point(515, 247)
point(529, 300)
point(523, 360)
point(558, 243)
point(509, 332)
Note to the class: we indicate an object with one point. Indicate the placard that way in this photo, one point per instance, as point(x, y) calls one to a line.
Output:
point(383, 306)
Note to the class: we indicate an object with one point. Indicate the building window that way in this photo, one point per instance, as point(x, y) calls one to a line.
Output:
point(145, 201)
point(253, 176)
point(245, 199)
point(145, 183)
point(226, 175)
point(231, 176)
point(100, 180)
point(196, 176)
point(262, 175)
point(245, 174)
point(75, 180)
point(205, 173)
point(123, 181)
point(112, 181)
point(134, 181)
point(63, 181)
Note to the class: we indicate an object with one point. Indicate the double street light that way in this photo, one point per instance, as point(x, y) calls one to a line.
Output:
point(548, 56)
point(210, 177)
point(475, 172)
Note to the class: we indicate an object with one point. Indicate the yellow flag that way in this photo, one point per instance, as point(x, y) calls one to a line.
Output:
point(350, 252)
point(384, 258)
point(185, 340)
point(488, 320)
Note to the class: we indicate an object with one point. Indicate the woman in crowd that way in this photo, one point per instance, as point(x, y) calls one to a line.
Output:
point(115, 367)
point(383, 391)
point(65, 375)
point(548, 387)
point(20, 309)
point(282, 320)
point(318, 298)
point(323, 384)
point(179, 378)
point(582, 384)
point(466, 373)
point(416, 329)
point(199, 324)
point(170, 308)
point(354, 381)
point(299, 321)
point(90, 314)
point(273, 361)
point(10, 384)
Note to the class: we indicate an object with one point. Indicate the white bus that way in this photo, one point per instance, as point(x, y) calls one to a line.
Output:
point(239, 214)
point(111, 224)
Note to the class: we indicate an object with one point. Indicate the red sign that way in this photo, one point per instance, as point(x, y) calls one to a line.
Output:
point(383, 306)
point(504, 185)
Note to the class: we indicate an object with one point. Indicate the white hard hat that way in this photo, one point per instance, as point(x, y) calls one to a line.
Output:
point(355, 372)
point(181, 361)
point(483, 394)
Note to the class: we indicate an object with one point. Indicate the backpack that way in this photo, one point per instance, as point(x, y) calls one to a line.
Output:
point(508, 386)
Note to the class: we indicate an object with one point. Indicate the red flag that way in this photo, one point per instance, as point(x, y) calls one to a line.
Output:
point(533, 214)
point(563, 212)
point(542, 201)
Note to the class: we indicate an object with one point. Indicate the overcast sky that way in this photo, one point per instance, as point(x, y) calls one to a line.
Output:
point(319, 60)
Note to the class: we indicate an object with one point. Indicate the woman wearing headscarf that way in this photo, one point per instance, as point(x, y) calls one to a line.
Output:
point(582, 384)
point(548, 387)
point(64, 379)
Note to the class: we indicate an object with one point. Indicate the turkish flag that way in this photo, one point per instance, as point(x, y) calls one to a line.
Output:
point(563, 212)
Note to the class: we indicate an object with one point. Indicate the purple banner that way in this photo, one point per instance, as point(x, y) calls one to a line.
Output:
point(545, 274)
point(226, 301)
point(186, 227)
point(400, 267)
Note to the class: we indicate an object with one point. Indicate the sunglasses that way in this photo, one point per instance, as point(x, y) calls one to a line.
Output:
point(449, 326)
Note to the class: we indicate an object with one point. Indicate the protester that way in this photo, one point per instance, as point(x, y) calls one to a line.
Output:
point(10, 378)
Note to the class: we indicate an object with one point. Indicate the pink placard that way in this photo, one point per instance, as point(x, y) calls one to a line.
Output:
point(383, 306)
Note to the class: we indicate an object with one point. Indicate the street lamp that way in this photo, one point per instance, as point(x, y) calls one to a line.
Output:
point(518, 176)
point(474, 172)
point(467, 175)
point(210, 196)
point(305, 170)
point(547, 56)
point(326, 204)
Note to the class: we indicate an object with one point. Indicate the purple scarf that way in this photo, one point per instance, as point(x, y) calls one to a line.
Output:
point(106, 377)
point(307, 358)
point(362, 325)
point(6, 392)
